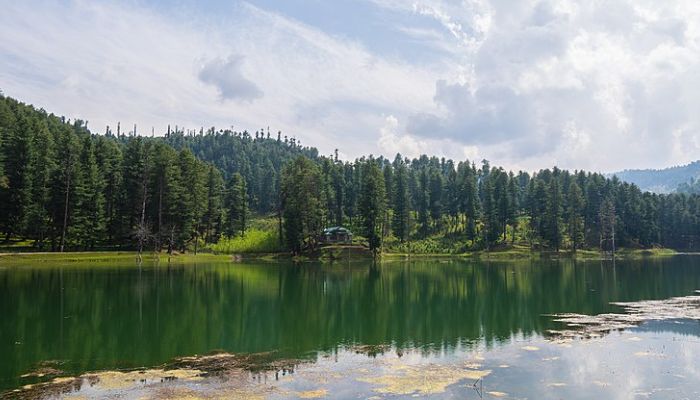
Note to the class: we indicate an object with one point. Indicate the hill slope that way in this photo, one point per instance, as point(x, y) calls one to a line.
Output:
point(661, 180)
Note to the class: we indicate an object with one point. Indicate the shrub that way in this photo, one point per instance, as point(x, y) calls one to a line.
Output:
point(254, 241)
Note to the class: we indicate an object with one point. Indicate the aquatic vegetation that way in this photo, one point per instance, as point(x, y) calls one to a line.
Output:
point(233, 369)
point(635, 313)
point(313, 394)
point(422, 380)
point(105, 381)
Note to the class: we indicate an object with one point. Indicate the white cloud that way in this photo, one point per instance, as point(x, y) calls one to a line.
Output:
point(227, 77)
point(391, 142)
point(527, 84)
point(108, 62)
point(593, 85)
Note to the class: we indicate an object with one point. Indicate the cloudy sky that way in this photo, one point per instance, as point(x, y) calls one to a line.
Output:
point(598, 85)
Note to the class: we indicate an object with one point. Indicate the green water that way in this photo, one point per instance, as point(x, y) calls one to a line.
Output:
point(122, 316)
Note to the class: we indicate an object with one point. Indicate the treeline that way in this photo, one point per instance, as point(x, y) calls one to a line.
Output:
point(481, 207)
point(64, 188)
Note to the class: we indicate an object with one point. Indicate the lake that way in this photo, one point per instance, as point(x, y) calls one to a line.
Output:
point(445, 328)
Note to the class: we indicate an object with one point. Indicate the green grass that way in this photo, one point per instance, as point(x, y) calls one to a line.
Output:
point(255, 241)
point(431, 245)
point(90, 258)
point(522, 251)
point(641, 253)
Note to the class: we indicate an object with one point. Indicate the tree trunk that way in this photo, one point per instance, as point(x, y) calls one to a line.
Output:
point(160, 213)
point(65, 212)
point(279, 223)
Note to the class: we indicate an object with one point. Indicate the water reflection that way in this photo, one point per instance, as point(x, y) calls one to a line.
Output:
point(121, 316)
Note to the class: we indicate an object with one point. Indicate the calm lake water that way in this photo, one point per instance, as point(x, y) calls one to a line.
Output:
point(350, 323)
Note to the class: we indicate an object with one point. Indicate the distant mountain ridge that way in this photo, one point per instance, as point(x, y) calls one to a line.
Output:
point(664, 180)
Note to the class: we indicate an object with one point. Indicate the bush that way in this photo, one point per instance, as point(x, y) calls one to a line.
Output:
point(254, 241)
point(431, 245)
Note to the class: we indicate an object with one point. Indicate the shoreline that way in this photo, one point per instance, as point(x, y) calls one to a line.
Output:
point(511, 254)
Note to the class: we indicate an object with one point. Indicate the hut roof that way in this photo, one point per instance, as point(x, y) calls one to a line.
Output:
point(336, 229)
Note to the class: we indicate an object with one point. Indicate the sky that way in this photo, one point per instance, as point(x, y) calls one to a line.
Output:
point(595, 85)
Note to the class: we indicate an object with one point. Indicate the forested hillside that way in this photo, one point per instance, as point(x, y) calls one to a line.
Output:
point(63, 188)
point(259, 158)
point(690, 187)
point(665, 180)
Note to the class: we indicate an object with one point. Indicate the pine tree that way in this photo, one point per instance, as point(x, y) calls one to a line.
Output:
point(491, 221)
point(435, 195)
point(513, 205)
point(339, 187)
point(608, 219)
point(503, 201)
point(17, 154)
point(236, 205)
point(552, 224)
point(537, 204)
point(192, 200)
point(108, 155)
point(213, 214)
point(40, 169)
point(167, 189)
point(89, 220)
point(302, 204)
point(469, 198)
point(401, 203)
point(6, 125)
point(576, 207)
point(423, 203)
point(63, 191)
point(372, 203)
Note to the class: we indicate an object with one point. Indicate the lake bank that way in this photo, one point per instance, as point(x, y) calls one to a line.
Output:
point(335, 253)
point(106, 257)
